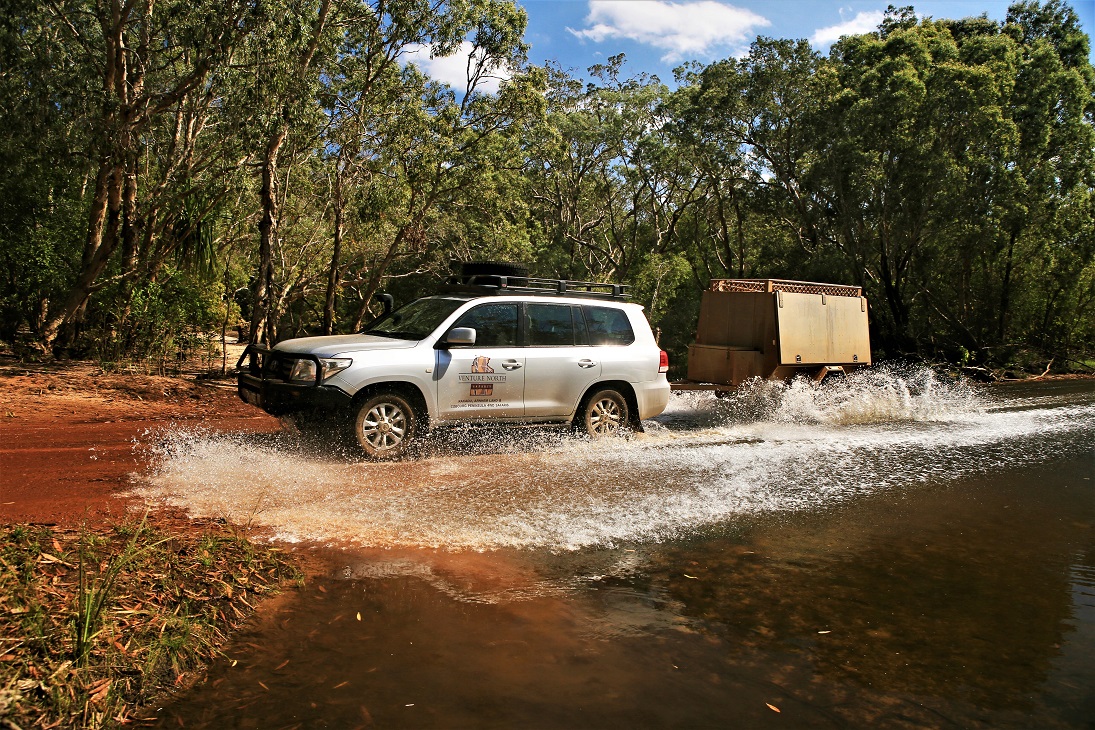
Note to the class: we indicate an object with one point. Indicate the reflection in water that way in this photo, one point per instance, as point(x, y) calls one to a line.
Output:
point(1071, 678)
point(930, 570)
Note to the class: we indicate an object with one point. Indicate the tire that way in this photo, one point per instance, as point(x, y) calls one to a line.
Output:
point(385, 426)
point(493, 268)
point(604, 414)
point(484, 271)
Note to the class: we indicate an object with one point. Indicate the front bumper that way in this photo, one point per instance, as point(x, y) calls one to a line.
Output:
point(258, 384)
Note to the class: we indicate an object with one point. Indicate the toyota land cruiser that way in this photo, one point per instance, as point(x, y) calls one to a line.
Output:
point(483, 349)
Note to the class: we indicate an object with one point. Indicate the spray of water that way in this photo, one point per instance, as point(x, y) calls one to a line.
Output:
point(707, 461)
point(878, 395)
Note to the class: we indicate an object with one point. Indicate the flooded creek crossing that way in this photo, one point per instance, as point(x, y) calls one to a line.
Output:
point(889, 551)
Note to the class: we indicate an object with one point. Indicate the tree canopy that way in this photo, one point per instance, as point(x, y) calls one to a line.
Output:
point(176, 168)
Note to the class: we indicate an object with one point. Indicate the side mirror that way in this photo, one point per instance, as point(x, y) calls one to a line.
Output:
point(388, 301)
point(459, 336)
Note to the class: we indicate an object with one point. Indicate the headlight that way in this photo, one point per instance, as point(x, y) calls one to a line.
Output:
point(332, 365)
point(304, 371)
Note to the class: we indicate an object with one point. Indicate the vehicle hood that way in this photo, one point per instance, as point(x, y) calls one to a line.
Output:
point(331, 345)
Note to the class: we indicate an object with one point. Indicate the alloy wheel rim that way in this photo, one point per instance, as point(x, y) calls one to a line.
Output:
point(384, 426)
point(604, 418)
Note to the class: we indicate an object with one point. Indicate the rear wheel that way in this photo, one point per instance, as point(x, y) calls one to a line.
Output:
point(385, 426)
point(605, 414)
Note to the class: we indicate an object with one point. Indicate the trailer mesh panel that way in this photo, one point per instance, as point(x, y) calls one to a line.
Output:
point(771, 285)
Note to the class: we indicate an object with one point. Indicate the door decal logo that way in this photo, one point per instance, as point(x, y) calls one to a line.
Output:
point(482, 377)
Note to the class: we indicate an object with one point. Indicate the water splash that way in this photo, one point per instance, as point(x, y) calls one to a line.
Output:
point(877, 395)
point(770, 447)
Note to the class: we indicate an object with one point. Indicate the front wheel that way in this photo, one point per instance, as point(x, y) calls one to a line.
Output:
point(385, 426)
point(604, 414)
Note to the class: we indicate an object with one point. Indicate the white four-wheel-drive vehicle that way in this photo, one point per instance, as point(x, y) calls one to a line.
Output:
point(485, 348)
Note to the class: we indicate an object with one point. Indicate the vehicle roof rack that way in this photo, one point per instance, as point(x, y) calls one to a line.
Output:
point(494, 285)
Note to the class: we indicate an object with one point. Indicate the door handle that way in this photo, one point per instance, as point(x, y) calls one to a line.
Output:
point(586, 363)
point(511, 365)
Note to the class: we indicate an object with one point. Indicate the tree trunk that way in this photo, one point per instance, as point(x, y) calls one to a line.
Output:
point(891, 279)
point(263, 318)
point(1005, 292)
point(102, 238)
point(264, 279)
point(336, 253)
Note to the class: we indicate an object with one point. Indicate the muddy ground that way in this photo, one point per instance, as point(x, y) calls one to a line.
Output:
point(71, 438)
point(70, 435)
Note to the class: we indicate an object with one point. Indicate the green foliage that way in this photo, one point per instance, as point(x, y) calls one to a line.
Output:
point(164, 320)
point(95, 593)
point(295, 150)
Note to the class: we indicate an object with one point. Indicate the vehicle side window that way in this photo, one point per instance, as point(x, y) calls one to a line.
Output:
point(608, 326)
point(495, 324)
point(550, 325)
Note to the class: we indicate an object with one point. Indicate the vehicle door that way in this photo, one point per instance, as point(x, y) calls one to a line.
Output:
point(559, 363)
point(611, 336)
point(485, 380)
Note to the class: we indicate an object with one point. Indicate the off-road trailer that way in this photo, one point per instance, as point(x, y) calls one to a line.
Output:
point(775, 329)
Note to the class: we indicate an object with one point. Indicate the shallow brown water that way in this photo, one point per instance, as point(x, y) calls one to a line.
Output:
point(925, 560)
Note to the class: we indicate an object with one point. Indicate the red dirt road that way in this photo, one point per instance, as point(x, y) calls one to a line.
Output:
point(69, 436)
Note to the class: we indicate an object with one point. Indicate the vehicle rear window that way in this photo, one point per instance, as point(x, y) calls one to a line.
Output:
point(550, 325)
point(608, 326)
point(495, 325)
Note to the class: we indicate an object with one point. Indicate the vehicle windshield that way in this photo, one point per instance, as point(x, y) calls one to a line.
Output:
point(415, 320)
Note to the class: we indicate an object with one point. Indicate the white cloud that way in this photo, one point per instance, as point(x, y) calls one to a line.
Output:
point(453, 69)
point(682, 29)
point(863, 22)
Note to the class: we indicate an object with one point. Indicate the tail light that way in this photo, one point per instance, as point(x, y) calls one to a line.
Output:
point(663, 362)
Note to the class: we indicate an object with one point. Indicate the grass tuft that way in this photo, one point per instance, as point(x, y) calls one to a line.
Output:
point(96, 623)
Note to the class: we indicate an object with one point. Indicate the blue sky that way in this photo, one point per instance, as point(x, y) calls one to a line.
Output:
point(658, 35)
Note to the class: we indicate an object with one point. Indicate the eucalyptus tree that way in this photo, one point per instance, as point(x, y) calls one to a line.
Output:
point(1052, 108)
point(446, 180)
point(608, 184)
point(957, 145)
point(43, 108)
point(888, 171)
point(753, 127)
point(429, 153)
point(571, 186)
point(276, 83)
point(336, 85)
point(361, 86)
point(943, 165)
point(143, 62)
point(920, 138)
point(707, 131)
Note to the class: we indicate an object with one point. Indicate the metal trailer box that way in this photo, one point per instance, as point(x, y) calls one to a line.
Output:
point(723, 365)
point(772, 328)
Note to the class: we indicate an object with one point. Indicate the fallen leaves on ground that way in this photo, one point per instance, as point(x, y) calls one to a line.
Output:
point(174, 599)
